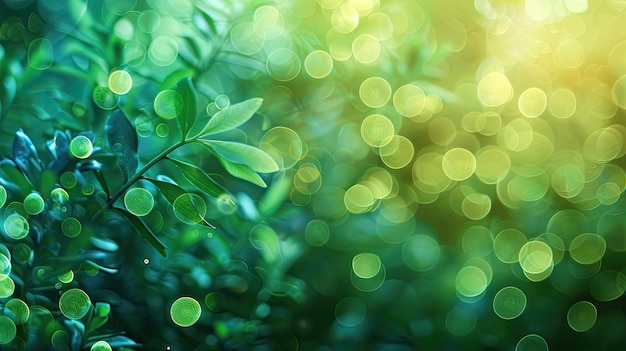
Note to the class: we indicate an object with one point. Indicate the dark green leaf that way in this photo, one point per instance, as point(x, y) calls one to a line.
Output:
point(77, 330)
point(24, 153)
point(187, 116)
point(103, 182)
point(251, 156)
point(16, 176)
point(199, 179)
point(232, 117)
point(128, 163)
point(170, 191)
point(191, 208)
point(144, 231)
point(59, 149)
point(242, 171)
point(122, 139)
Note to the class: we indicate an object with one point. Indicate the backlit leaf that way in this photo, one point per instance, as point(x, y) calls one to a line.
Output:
point(188, 114)
point(199, 179)
point(170, 191)
point(232, 117)
point(257, 159)
point(242, 171)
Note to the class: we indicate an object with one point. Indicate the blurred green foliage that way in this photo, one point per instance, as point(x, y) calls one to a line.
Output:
point(312, 174)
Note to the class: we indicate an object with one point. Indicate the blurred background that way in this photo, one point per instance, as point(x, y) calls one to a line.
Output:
point(450, 172)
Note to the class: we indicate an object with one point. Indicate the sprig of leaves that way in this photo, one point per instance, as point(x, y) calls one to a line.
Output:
point(240, 160)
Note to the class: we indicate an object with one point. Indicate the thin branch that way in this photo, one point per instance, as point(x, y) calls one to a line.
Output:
point(137, 176)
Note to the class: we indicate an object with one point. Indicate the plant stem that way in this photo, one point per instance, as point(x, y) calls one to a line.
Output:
point(138, 175)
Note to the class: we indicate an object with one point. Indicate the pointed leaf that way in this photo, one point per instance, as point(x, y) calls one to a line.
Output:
point(97, 322)
point(186, 208)
point(144, 231)
point(276, 195)
point(59, 149)
point(257, 159)
point(24, 152)
point(199, 178)
point(242, 171)
point(187, 116)
point(122, 138)
point(170, 191)
point(232, 117)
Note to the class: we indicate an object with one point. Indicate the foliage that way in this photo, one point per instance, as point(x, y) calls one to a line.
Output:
point(278, 175)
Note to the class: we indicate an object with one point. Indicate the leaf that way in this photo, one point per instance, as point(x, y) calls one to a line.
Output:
point(232, 117)
point(144, 231)
point(199, 179)
point(242, 171)
point(172, 193)
point(190, 208)
point(16, 176)
point(169, 190)
point(264, 238)
point(255, 158)
point(102, 309)
point(25, 153)
point(128, 163)
point(119, 341)
point(59, 149)
point(187, 116)
point(97, 322)
point(122, 138)
point(275, 196)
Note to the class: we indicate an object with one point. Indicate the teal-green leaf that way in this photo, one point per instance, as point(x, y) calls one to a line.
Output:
point(232, 117)
point(199, 178)
point(24, 153)
point(122, 139)
point(188, 114)
point(144, 231)
point(242, 171)
point(255, 158)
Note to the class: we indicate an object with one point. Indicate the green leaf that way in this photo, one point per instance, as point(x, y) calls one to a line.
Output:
point(24, 153)
point(59, 149)
point(102, 309)
point(187, 116)
point(169, 190)
point(144, 231)
point(264, 238)
point(255, 158)
point(276, 195)
point(97, 322)
point(199, 179)
point(16, 176)
point(242, 171)
point(232, 117)
point(122, 139)
point(191, 208)
point(187, 209)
